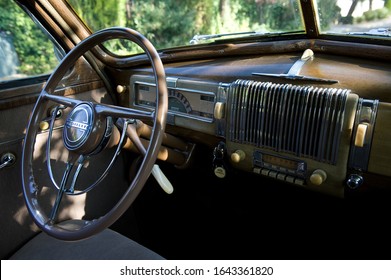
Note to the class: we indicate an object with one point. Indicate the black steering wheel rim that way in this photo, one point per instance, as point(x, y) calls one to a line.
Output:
point(31, 190)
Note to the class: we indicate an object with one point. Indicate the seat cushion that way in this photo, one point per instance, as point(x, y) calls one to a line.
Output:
point(107, 245)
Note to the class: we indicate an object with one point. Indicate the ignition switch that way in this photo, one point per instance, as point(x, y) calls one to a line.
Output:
point(219, 167)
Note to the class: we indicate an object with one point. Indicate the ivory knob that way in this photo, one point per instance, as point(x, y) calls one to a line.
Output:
point(238, 156)
point(318, 177)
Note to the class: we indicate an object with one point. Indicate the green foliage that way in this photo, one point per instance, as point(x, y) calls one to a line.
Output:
point(271, 15)
point(98, 13)
point(376, 14)
point(34, 50)
point(168, 29)
point(283, 17)
point(150, 17)
point(383, 13)
point(329, 12)
point(370, 15)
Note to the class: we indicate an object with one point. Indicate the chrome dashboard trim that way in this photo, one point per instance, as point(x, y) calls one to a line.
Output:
point(366, 114)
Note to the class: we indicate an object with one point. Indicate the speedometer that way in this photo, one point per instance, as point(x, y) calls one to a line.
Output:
point(177, 102)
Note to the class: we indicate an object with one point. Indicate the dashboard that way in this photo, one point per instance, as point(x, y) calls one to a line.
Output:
point(320, 136)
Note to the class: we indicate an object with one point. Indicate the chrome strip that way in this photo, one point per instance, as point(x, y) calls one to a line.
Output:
point(222, 96)
point(366, 113)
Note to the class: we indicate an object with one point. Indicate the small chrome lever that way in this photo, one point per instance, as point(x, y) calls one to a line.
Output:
point(7, 159)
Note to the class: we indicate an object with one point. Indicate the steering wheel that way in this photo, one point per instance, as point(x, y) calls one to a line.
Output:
point(87, 127)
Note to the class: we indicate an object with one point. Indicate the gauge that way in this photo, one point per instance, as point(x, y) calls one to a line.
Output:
point(189, 100)
point(177, 102)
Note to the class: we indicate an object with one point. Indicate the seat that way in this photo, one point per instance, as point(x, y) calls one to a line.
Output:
point(107, 245)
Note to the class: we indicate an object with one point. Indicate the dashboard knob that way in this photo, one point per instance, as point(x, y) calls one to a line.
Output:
point(219, 110)
point(318, 177)
point(44, 125)
point(238, 156)
point(359, 140)
point(220, 172)
point(121, 89)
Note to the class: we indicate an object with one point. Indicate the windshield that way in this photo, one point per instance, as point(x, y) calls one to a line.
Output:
point(174, 23)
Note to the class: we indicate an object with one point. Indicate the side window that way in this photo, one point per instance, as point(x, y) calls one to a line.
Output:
point(25, 50)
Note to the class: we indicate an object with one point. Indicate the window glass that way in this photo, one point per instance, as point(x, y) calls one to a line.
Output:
point(25, 50)
point(363, 18)
point(172, 23)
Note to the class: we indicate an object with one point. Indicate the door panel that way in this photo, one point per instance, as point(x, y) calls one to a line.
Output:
point(14, 214)
point(13, 120)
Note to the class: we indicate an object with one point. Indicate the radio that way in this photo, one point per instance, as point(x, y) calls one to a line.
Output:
point(279, 167)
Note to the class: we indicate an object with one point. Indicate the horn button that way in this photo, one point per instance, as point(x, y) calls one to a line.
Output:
point(84, 130)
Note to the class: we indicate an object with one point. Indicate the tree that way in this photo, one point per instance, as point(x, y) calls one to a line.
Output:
point(328, 13)
point(35, 51)
point(352, 8)
point(354, 5)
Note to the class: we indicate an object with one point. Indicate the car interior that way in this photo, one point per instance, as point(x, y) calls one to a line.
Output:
point(247, 145)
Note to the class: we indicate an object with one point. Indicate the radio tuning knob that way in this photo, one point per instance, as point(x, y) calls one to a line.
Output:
point(238, 156)
point(318, 177)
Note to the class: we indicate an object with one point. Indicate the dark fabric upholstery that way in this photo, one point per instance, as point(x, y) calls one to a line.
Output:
point(107, 245)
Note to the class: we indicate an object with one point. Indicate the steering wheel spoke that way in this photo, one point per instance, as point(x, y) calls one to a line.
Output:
point(122, 112)
point(60, 193)
point(104, 109)
point(66, 101)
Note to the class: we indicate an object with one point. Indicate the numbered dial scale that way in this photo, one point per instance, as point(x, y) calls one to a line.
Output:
point(284, 165)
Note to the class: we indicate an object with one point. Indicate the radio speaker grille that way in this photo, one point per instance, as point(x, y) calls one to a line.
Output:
point(302, 120)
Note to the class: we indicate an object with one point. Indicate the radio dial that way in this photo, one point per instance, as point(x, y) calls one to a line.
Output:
point(318, 177)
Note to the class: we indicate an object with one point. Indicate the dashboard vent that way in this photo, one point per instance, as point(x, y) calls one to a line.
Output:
point(302, 120)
